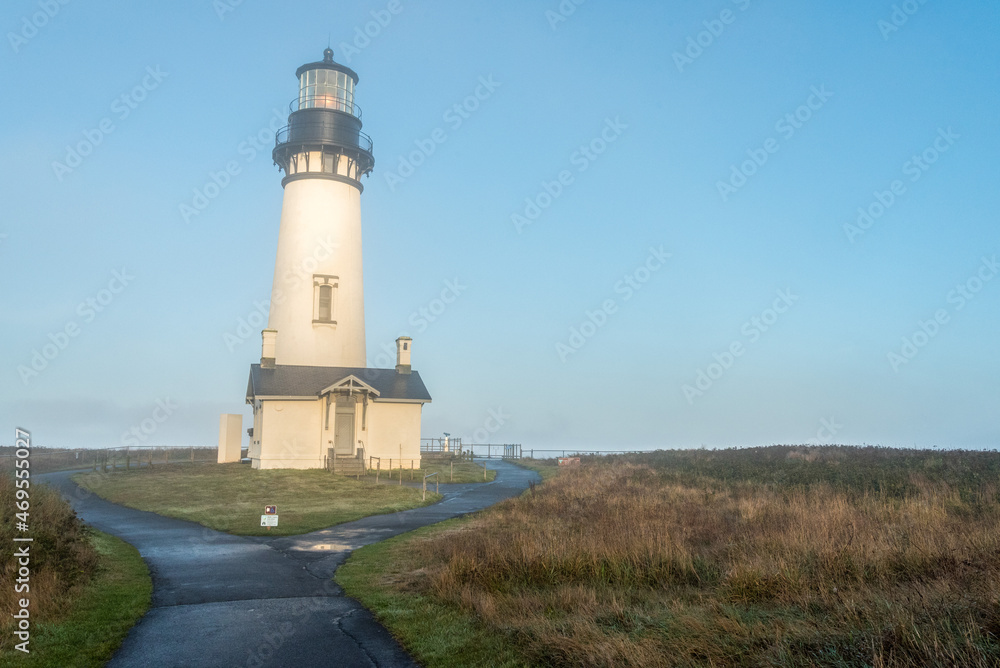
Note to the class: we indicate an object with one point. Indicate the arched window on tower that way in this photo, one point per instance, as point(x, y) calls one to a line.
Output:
point(324, 299)
point(325, 302)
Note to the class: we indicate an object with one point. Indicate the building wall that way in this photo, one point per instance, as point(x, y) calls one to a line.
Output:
point(391, 425)
point(290, 435)
point(294, 434)
point(320, 235)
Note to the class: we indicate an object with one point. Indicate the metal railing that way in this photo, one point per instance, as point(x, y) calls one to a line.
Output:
point(365, 142)
point(47, 460)
point(324, 102)
point(440, 445)
point(495, 450)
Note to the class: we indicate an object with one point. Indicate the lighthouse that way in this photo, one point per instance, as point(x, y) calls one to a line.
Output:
point(315, 402)
point(317, 314)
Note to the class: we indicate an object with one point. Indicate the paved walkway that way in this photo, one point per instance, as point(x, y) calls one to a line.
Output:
point(222, 600)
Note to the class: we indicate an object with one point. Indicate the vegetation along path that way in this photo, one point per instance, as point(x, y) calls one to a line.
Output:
point(224, 600)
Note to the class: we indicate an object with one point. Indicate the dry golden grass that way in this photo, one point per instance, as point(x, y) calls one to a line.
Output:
point(629, 563)
point(62, 558)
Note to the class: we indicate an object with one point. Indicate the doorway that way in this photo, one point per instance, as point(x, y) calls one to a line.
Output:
point(343, 431)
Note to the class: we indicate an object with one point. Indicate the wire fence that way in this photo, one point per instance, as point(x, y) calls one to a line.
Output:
point(47, 460)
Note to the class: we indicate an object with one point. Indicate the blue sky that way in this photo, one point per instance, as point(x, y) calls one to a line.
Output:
point(713, 156)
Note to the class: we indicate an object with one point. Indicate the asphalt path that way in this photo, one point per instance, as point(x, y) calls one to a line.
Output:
point(221, 600)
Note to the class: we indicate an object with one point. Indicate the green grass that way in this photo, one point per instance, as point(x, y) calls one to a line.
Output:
point(99, 617)
point(456, 472)
point(435, 633)
point(231, 497)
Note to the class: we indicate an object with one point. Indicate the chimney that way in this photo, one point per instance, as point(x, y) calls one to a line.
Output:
point(403, 345)
point(269, 340)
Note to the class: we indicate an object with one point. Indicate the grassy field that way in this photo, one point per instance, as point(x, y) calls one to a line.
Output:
point(777, 556)
point(457, 471)
point(231, 497)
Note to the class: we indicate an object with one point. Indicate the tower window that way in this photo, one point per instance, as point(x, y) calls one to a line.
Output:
point(325, 302)
point(324, 299)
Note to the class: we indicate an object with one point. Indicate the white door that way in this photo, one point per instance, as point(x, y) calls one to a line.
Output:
point(343, 434)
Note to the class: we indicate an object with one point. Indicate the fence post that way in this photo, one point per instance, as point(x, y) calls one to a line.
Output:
point(424, 497)
point(192, 454)
point(451, 472)
point(378, 469)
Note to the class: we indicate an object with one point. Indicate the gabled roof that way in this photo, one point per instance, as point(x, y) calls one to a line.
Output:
point(285, 380)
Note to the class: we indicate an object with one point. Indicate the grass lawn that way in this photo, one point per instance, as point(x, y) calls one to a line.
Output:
point(231, 497)
point(98, 619)
point(457, 472)
point(778, 556)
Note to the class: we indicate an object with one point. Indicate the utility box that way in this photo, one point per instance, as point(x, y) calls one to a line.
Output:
point(230, 437)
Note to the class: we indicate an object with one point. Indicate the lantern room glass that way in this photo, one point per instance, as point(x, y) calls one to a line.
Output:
point(328, 89)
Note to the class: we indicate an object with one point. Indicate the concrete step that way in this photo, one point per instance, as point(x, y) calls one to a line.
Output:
point(347, 466)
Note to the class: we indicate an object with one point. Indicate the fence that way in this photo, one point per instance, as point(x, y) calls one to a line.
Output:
point(495, 450)
point(517, 451)
point(552, 453)
point(440, 445)
point(45, 460)
point(455, 447)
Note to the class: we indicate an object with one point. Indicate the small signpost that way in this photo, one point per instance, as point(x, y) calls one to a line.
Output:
point(270, 517)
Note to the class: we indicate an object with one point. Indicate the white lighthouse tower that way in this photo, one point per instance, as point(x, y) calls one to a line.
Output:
point(315, 403)
point(317, 314)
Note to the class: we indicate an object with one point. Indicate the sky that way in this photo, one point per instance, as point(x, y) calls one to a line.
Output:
point(656, 224)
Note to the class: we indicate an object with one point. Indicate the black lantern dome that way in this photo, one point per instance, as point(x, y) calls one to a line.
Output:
point(323, 138)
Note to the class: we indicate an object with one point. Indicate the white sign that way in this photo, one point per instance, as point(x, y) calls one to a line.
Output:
point(269, 520)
